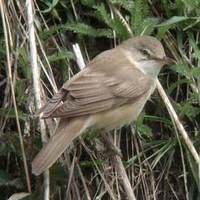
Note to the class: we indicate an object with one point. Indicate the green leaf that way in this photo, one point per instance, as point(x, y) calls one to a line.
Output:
point(175, 20)
point(2, 49)
point(162, 151)
point(194, 98)
point(158, 119)
point(132, 160)
point(24, 62)
point(149, 25)
point(144, 130)
point(177, 83)
point(182, 69)
point(10, 113)
point(126, 4)
point(89, 3)
point(194, 46)
point(118, 25)
point(90, 164)
point(102, 14)
point(64, 54)
point(140, 13)
point(20, 88)
point(5, 178)
point(80, 28)
point(194, 168)
point(195, 72)
point(50, 6)
point(58, 175)
point(162, 31)
point(6, 145)
point(85, 29)
point(189, 110)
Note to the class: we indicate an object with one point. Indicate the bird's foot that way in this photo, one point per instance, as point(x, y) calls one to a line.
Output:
point(111, 148)
point(113, 151)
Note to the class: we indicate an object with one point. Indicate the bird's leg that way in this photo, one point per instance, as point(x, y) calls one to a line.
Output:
point(111, 147)
point(133, 127)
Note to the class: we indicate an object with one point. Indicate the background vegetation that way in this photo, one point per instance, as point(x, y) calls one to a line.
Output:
point(156, 159)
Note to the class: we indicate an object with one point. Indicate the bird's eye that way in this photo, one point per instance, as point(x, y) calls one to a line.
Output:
point(146, 52)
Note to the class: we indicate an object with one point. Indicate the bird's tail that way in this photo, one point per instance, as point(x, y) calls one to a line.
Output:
point(64, 135)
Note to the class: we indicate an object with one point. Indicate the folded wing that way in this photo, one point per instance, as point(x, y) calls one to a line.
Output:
point(104, 85)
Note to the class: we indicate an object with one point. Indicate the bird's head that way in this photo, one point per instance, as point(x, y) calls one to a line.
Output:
point(148, 54)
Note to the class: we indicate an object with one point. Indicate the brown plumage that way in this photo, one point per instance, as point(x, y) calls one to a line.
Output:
point(110, 92)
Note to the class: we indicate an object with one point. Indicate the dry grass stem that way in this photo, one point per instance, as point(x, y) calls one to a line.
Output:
point(36, 85)
point(117, 12)
point(79, 57)
point(13, 94)
point(179, 125)
point(124, 178)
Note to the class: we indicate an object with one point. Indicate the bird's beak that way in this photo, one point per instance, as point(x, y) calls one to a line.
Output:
point(167, 61)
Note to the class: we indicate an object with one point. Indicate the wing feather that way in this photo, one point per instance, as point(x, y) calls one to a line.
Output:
point(101, 86)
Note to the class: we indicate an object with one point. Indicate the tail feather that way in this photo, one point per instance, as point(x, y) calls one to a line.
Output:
point(57, 144)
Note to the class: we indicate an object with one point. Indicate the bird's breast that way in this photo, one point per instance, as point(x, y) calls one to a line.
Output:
point(118, 117)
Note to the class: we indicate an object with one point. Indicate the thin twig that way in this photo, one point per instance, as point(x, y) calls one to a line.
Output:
point(13, 97)
point(70, 178)
point(87, 193)
point(50, 78)
point(116, 11)
point(36, 84)
point(179, 125)
point(107, 186)
point(124, 178)
point(183, 163)
point(79, 57)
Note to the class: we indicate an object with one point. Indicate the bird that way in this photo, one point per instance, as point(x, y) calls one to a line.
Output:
point(107, 94)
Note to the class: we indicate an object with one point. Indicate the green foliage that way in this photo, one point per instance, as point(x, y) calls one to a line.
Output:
point(189, 110)
point(194, 168)
point(21, 95)
point(175, 20)
point(85, 29)
point(4, 178)
point(166, 148)
point(142, 129)
point(139, 16)
point(115, 24)
point(89, 3)
point(126, 4)
point(50, 5)
point(24, 63)
point(59, 56)
point(10, 113)
point(79, 28)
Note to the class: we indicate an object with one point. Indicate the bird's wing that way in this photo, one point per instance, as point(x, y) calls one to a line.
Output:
point(104, 85)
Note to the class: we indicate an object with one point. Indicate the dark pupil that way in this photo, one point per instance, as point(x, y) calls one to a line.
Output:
point(145, 52)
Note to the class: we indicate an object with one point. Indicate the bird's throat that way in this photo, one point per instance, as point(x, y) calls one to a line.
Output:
point(150, 67)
